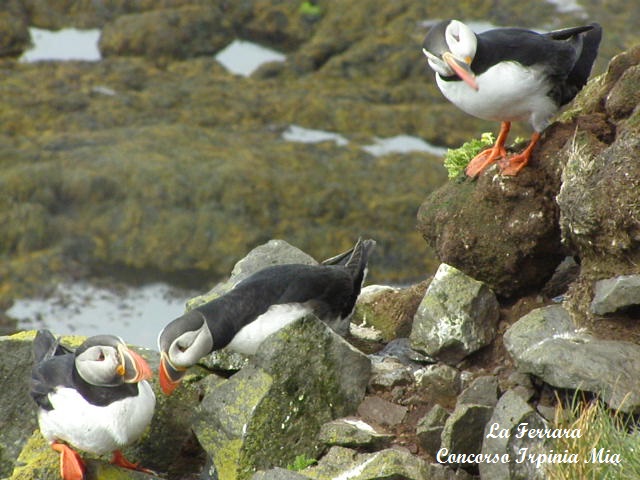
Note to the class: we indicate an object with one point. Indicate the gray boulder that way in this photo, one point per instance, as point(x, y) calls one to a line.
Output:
point(501, 438)
point(463, 432)
point(271, 411)
point(616, 294)
point(457, 316)
point(442, 382)
point(17, 410)
point(345, 463)
point(546, 344)
point(352, 433)
point(429, 429)
point(482, 391)
point(278, 474)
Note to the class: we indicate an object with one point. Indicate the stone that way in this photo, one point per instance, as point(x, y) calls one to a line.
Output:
point(510, 412)
point(400, 349)
point(353, 433)
point(17, 409)
point(382, 412)
point(343, 463)
point(545, 343)
point(387, 373)
point(15, 34)
point(301, 377)
point(616, 294)
point(442, 382)
point(463, 431)
point(429, 429)
point(387, 309)
point(457, 316)
point(482, 391)
point(167, 33)
point(278, 474)
point(39, 461)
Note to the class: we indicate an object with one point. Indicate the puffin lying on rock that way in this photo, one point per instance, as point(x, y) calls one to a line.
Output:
point(260, 305)
point(95, 399)
point(510, 74)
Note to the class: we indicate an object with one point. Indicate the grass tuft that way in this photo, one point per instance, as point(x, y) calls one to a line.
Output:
point(456, 160)
point(606, 438)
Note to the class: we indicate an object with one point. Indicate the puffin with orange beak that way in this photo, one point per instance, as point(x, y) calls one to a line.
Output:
point(96, 399)
point(510, 74)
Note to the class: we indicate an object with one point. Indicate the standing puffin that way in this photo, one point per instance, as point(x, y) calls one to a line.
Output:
point(260, 305)
point(95, 399)
point(510, 74)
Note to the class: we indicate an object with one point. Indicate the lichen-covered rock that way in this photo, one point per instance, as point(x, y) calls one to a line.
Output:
point(389, 310)
point(353, 433)
point(457, 316)
point(39, 461)
point(482, 391)
point(463, 432)
point(510, 412)
point(345, 463)
point(304, 376)
point(429, 429)
point(616, 294)
point(546, 344)
point(178, 33)
point(17, 409)
point(442, 382)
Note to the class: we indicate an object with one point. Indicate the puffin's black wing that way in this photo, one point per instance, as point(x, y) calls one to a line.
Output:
point(53, 366)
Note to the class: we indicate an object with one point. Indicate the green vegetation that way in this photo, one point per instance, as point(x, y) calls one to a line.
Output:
point(310, 9)
point(607, 449)
point(456, 160)
point(301, 462)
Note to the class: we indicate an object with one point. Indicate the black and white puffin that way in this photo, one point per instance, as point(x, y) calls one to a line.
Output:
point(260, 305)
point(95, 399)
point(510, 74)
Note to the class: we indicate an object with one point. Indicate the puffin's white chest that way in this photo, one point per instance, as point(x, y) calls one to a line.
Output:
point(96, 429)
point(507, 92)
point(249, 338)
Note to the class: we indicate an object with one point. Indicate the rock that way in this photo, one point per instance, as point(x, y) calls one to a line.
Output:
point(429, 429)
point(387, 373)
point(173, 32)
point(278, 474)
point(353, 433)
point(511, 411)
point(400, 349)
point(39, 461)
point(616, 294)
point(302, 377)
point(545, 343)
point(502, 231)
point(457, 316)
point(463, 431)
point(442, 382)
point(344, 463)
point(17, 409)
point(388, 310)
point(482, 391)
point(15, 34)
point(382, 412)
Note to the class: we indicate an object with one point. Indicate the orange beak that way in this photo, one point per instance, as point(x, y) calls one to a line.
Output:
point(170, 376)
point(462, 69)
point(134, 368)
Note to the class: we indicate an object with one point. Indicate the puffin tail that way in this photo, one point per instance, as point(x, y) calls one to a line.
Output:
point(587, 56)
point(357, 262)
point(45, 346)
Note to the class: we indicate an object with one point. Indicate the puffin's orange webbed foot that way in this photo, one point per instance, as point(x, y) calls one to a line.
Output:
point(119, 460)
point(71, 465)
point(512, 165)
point(490, 155)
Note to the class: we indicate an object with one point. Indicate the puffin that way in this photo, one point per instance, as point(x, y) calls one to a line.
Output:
point(259, 306)
point(96, 398)
point(510, 74)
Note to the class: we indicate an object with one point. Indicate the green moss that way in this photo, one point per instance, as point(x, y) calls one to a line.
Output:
point(37, 460)
point(456, 160)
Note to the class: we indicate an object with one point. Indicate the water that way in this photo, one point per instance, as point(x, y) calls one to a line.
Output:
point(65, 44)
point(296, 133)
point(402, 144)
point(244, 58)
point(135, 313)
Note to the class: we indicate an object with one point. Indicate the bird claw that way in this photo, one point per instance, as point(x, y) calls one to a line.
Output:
point(119, 460)
point(71, 465)
point(485, 158)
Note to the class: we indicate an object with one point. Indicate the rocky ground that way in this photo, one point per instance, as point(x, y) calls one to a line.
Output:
point(536, 290)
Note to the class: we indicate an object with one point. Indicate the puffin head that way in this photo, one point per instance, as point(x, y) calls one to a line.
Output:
point(105, 360)
point(450, 47)
point(182, 343)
